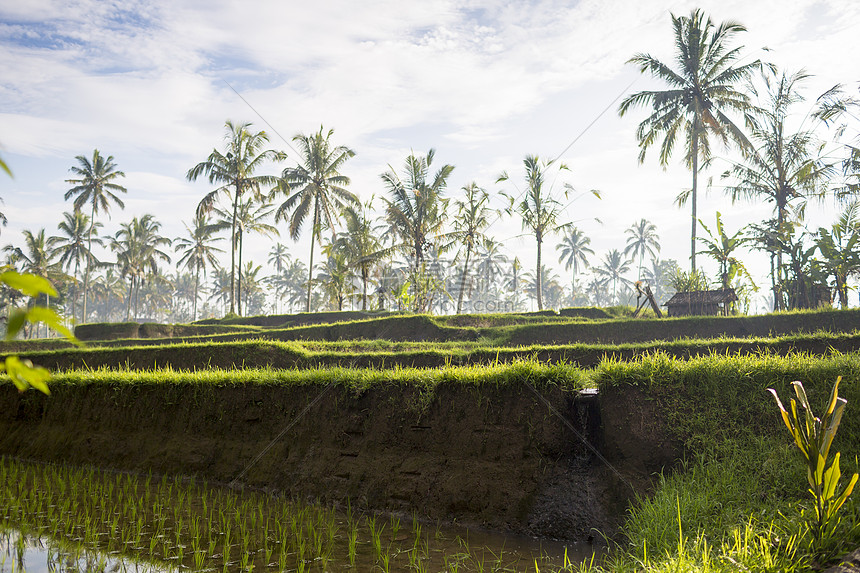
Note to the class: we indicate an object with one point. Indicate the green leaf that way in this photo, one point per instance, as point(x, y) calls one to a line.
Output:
point(52, 319)
point(30, 285)
point(16, 322)
point(25, 375)
point(844, 496)
point(831, 479)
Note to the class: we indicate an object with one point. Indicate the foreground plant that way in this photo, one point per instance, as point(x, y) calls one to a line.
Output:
point(814, 437)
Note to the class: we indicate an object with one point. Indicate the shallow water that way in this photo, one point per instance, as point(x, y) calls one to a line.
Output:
point(76, 519)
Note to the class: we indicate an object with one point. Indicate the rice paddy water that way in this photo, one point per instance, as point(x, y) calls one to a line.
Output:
point(54, 518)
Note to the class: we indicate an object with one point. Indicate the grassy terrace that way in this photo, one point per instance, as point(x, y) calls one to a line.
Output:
point(736, 503)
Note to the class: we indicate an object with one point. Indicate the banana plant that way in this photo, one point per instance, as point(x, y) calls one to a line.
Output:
point(814, 436)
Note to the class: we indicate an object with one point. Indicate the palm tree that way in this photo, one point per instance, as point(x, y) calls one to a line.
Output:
point(137, 246)
point(96, 186)
point(782, 169)
point(490, 261)
point(278, 258)
point(234, 170)
point(512, 283)
point(197, 251)
point(316, 187)
point(643, 239)
point(416, 211)
point(37, 258)
point(334, 277)
point(249, 218)
point(701, 91)
point(71, 248)
point(469, 224)
point(361, 246)
point(574, 250)
point(547, 281)
point(538, 209)
point(613, 268)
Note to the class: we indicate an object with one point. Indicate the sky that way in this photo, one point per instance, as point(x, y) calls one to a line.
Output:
point(483, 82)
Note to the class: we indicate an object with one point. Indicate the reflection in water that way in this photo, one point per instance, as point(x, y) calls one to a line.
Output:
point(24, 554)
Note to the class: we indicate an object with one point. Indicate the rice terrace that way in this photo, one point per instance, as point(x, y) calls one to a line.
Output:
point(304, 442)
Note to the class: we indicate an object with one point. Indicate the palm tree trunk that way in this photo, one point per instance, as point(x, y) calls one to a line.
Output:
point(310, 273)
point(89, 256)
point(694, 195)
point(196, 284)
point(128, 304)
point(537, 273)
point(463, 278)
point(364, 290)
point(239, 278)
point(233, 252)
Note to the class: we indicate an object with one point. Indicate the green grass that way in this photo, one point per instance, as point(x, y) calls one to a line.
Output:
point(263, 352)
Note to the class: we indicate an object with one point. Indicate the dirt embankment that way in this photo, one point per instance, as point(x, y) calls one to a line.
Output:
point(492, 456)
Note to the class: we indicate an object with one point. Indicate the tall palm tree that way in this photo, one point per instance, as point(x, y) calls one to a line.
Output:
point(197, 251)
point(573, 253)
point(416, 211)
point(137, 245)
point(97, 187)
point(613, 267)
point(248, 217)
point(469, 224)
point(71, 247)
point(315, 188)
point(361, 246)
point(537, 208)
point(279, 258)
point(234, 169)
point(643, 238)
point(701, 92)
point(783, 168)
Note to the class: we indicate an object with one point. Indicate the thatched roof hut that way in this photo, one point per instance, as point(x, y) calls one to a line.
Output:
point(703, 302)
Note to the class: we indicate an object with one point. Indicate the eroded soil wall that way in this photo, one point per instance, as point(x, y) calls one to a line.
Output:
point(489, 456)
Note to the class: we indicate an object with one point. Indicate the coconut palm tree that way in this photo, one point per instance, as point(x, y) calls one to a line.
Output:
point(97, 187)
point(643, 238)
point(416, 211)
point(783, 168)
point(537, 208)
point(573, 253)
point(71, 247)
point(234, 170)
point(613, 267)
point(469, 224)
point(198, 254)
point(315, 188)
point(361, 246)
point(249, 218)
point(137, 245)
point(701, 91)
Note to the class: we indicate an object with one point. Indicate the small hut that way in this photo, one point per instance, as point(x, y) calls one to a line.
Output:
point(702, 302)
